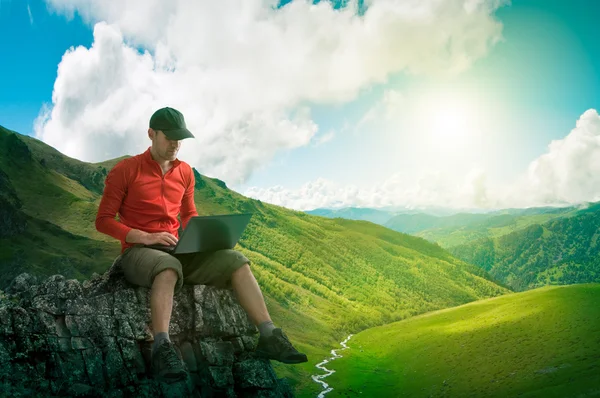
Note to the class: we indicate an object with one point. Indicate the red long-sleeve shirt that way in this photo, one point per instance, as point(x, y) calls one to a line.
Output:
point(145, 198)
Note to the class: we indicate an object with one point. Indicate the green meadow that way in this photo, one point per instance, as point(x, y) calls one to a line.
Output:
point(540, 343)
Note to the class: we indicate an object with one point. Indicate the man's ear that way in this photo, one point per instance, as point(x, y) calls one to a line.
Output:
point(151, 133)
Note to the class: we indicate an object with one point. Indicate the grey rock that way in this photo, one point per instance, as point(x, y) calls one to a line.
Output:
point(93, 360)
point(80, 390)
point(4, 355)
point(221, 375)
point(22, 323)
point(94, 339)
point(21, 283)
point(255, 373)
point(49, 303)
point(70, 289)
point(78, 305)
point(52, 286)
point(6, 327)
point(43, 323)
point(80, 343)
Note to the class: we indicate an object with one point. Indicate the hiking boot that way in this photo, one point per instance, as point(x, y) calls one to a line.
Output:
point(166, 364)
point(279, 348)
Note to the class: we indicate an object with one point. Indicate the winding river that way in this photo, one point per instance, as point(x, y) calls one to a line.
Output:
point(319, 378)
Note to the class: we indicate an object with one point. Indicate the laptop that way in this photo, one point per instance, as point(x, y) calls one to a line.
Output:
point(208, 233)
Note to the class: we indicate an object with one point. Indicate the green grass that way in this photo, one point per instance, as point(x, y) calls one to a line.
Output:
point(448, 237)
point(540, 343)
point(45, 249)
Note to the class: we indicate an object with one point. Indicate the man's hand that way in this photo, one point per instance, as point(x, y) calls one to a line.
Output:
point(157, 238)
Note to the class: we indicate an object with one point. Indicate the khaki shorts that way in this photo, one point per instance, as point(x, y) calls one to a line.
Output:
point(141, 264)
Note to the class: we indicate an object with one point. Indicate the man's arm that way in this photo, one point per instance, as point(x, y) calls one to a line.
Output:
point(188, 207)
point(115, 189)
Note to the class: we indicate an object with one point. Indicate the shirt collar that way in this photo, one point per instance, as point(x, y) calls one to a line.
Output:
point(148, 156)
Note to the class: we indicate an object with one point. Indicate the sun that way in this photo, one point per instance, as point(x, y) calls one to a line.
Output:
point(450, 121)
point(447, 121)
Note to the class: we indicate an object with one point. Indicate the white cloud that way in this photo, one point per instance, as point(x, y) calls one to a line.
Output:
point(430, 189)
point(385, 110)
point(323, 138)
point(239, 70)
point(568, 174)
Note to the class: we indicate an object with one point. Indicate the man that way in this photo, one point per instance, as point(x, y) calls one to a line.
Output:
point(149, 191)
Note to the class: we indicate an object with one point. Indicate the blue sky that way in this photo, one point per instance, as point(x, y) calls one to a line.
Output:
point(528, 89)
point(33, 51)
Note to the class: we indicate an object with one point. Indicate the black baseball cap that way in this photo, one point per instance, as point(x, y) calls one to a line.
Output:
point(171, 122)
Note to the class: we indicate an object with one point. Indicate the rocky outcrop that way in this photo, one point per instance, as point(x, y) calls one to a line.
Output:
point(65, 338)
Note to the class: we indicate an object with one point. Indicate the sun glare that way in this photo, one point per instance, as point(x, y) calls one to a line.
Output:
point(447, 121)
point(450, 121)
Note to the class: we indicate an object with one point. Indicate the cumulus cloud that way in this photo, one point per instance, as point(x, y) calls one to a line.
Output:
point(430, 189)
point(240, 70)
point(568, 174)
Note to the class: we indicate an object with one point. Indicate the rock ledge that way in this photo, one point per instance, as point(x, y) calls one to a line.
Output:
point(59, 337)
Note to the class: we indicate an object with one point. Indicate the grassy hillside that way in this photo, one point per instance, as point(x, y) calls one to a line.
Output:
point(560, 251)
point(463, 228)
point(322, 278)
point(541, 343)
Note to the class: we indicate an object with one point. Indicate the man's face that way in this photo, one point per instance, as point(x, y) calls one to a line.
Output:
point(165, 148)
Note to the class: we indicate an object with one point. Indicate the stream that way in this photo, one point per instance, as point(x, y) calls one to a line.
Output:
point(319, 378)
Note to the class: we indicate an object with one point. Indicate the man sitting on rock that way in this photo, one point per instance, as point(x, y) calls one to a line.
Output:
point(148, 191)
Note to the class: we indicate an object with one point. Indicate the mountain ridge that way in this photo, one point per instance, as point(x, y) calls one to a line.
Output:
point(558, 251)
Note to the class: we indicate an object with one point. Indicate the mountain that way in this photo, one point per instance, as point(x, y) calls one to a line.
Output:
point(448, 227)
point(413, 223)
point(560, 251)
point(462, 228)
point(35, 236)
point(540, 343)
point(355, 213)
point(322, 278)
point(383, 215)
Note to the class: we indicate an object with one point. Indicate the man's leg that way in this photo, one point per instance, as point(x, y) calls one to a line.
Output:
point(249, 295)
point(161, 273)
point(161, 300)
point(227, 268)
point(230, 267)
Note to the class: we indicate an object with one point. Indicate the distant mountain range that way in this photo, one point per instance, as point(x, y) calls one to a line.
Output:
point(522, 248)
point(461, 228)
point(383, 215)
point(446, 226)
point(355, 213)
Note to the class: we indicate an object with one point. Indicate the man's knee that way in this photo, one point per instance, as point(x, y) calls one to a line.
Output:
point(168, 271)
point(244, 268)
point(168, 274)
